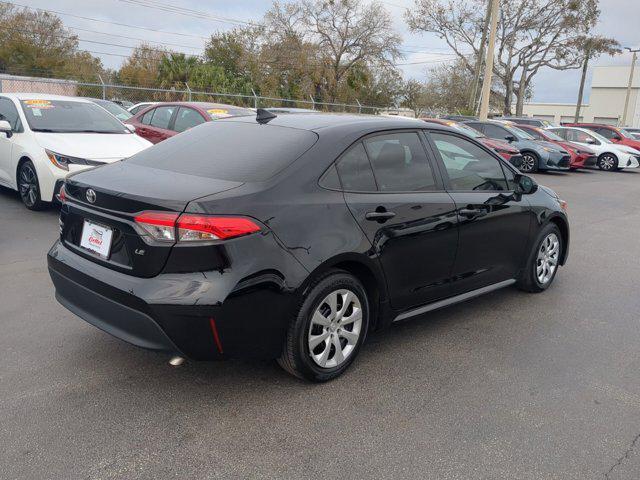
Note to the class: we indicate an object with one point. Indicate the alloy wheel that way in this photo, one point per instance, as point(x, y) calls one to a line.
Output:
point(28, 185)
point(547, 260)
point(528, 163)
point(335, 328)
point(607, 162)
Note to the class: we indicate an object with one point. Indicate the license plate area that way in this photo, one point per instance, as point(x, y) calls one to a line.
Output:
point(96, 238)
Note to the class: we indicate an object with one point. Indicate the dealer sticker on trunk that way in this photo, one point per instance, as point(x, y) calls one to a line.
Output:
point(96, 238)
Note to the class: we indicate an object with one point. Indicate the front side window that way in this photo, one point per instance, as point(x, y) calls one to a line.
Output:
point(68, 116)
point(400, 163)
point(535, 134)
point(146, 118)
point(9, 112)
point(355, 171)
point(162, 117)
point(494, 131)
point(468, 166)
point(187, 118)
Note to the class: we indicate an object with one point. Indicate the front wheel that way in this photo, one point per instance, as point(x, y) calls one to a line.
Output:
point(331, 325)
point(529, 163)
point(543, 262)
point(608, 162)
point(28, 186)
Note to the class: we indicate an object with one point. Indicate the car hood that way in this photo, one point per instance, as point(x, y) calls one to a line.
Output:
point(548, 191)
point(93, 146)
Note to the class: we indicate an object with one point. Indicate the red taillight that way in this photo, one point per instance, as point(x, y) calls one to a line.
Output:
point(162, 226)
point(202, 227)
point(62, 195)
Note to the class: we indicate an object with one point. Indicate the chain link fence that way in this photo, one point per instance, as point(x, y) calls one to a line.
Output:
point(128, 95)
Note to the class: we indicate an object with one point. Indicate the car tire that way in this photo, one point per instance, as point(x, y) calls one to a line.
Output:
point(530, 162)
point(543, 261)
point(29, 187)
point(324, 321)
point(607, 162)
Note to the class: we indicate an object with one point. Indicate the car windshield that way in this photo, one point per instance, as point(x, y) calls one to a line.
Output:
point(627, 133)
point(521, 134)
point(69, 116)
point(114, 109)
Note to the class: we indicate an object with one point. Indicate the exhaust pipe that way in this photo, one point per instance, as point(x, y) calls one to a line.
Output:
point(176, 361)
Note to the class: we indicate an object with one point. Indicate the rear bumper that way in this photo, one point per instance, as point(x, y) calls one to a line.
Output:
point(177, 313)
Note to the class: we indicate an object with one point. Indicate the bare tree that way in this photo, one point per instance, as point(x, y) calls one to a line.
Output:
point(532, 34)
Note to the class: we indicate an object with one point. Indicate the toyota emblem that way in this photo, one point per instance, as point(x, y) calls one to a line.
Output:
point(91, 196)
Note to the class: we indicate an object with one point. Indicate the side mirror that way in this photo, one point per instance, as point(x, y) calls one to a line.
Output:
point(6, 128)
point(510, 138)
point(590, 140)
point(616, 138)
point(526, 185)
point(131, 128)
point(516, 161)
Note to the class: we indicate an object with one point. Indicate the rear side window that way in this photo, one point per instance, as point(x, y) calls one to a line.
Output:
point(221, 150)
point(355, 170)
point(162, 117)
point(187, 118)
point(400, 163)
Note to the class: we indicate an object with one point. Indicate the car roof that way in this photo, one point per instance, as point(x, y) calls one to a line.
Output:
point(198, 105)
point(43, 96)
point(320, 121)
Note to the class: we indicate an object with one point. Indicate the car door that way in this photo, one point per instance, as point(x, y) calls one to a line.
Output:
point(8, 112)
point(397, 197)
point(493, 221)
point(157, 123)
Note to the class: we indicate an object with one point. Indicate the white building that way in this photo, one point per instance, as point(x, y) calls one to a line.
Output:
point(606, 100)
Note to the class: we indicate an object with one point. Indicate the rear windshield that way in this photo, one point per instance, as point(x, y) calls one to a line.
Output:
point(68, 116)
point(227, 150)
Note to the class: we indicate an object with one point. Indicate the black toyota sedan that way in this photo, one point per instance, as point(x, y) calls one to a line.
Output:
point(292, 237)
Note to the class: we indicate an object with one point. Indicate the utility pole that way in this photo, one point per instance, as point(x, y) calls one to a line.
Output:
point(585, 65)
point(479, 59)
point(488, 66)
point(626, 100)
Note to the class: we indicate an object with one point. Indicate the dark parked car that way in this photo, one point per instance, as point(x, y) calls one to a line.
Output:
point(533, 122)
point(536, 155)
point(164, 120)
point(293, 239)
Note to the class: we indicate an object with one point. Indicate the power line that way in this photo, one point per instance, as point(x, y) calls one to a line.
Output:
point(106, 21)
point(145, 40)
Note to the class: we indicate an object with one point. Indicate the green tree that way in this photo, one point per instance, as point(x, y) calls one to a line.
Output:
point(36, 43)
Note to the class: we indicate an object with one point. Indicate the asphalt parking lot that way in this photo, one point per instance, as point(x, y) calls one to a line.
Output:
point(510, 385)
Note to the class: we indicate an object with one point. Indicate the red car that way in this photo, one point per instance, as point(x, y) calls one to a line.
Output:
point(163, 120)
point(610, 132)
point(504, 149)
point(580, 156)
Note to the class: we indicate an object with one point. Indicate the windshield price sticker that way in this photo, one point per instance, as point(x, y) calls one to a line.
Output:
point(39, 104)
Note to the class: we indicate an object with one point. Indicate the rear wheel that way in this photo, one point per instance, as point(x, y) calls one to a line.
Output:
point(607, 162)
point(331, 325)
point(529, 162)
point(28, 186)
point(543, 261)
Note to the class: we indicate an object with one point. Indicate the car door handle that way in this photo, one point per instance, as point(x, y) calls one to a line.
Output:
point(472, 212)
point(379, 216)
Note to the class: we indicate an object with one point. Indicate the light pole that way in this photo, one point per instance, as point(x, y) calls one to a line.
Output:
point(626, 100)
point(488, 66)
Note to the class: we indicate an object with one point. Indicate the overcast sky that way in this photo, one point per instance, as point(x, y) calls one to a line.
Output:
point(619, 19)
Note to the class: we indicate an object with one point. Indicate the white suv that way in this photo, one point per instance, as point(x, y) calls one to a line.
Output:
point(611, 156)
point(43, 138)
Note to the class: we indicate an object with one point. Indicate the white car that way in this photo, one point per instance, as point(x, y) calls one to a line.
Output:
point(43, 138)
point(611, 156)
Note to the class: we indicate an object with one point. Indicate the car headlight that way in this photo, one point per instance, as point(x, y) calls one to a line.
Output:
point(63, 161)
